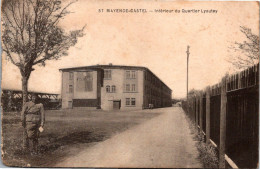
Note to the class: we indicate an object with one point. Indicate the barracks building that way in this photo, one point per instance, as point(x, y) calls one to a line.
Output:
point(113, 87)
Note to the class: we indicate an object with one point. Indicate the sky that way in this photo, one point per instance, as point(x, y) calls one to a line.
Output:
point(157, 41)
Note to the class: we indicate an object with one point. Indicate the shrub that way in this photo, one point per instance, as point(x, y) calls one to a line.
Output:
point(207, 152)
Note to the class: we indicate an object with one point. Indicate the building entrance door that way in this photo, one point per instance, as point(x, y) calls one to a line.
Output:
point(116, 105)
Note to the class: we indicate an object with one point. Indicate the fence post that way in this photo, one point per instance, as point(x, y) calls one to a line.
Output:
point(223, 111)
point(201, 110)
point(196, 111)
point(208, 115)
point(191, 108)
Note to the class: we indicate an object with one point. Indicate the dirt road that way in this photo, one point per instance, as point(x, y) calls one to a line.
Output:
point(164, 141)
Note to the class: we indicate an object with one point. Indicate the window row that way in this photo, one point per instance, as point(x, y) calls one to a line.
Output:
point(111, 89)
point(153, 79)
point(155, 91)
point(130, 102)
point(131, 74)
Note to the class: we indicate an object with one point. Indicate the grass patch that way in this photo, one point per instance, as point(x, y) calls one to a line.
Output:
point(207, 152)
point(65, 133)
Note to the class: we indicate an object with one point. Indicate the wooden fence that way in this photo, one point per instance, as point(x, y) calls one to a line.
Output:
point(228, 115)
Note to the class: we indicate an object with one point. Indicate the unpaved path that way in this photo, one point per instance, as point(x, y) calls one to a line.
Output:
point(164, 141)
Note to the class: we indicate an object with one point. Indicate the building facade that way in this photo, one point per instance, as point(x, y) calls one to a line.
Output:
point(113, 87)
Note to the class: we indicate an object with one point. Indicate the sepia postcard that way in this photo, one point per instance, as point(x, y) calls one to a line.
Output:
point(130, 84)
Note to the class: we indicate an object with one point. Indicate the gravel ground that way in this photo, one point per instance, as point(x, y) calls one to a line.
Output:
point(163, 141)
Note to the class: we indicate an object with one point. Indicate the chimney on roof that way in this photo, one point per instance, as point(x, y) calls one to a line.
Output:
point(110, 64)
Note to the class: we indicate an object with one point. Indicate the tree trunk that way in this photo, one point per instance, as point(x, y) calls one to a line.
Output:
point(25, 89)
point(25, 73)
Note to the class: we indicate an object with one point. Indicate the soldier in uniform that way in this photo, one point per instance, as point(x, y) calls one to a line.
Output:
point(33, 118)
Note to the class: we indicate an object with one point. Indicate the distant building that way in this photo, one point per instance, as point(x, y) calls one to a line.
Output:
point(113, 87)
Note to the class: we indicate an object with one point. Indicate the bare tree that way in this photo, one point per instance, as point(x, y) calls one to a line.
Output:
point(245, 54)
point(31, 34)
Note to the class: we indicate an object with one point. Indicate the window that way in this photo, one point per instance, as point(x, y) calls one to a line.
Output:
point(148, 90)
point(71, 75)
point(108, 88)
point(127, 87)
point(113, 89)
point(107, 74)
point(127, 101)
point(133, 101)
point(133, 87)
point(133, 74)
point(130, 102)
point(130, 88)
point(70, 89)
point(128, 74)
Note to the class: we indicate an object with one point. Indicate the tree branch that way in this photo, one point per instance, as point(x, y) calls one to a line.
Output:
point(10, 56)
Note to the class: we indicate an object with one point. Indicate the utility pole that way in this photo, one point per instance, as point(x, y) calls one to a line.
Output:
point(188, 53)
